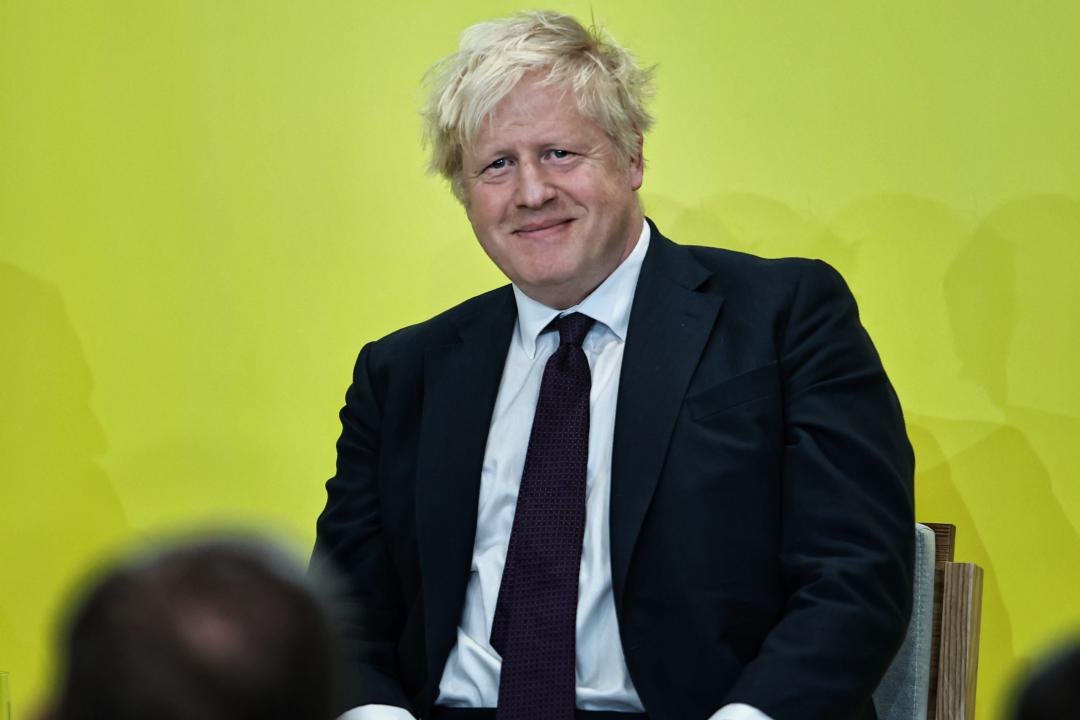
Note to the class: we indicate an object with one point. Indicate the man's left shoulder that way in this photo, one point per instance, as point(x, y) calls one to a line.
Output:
point(736, 273)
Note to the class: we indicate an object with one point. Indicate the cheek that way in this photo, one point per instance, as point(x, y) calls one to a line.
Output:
point(484, 210)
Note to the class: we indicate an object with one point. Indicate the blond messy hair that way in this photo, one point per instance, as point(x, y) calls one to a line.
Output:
point(492, 57)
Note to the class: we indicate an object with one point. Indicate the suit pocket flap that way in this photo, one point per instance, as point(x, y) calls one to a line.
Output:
point(752, 385)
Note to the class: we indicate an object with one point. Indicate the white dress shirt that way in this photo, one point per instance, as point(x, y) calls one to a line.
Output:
point(471, 675)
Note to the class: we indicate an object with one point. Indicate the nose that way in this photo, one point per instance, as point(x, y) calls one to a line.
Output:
point(534, 188)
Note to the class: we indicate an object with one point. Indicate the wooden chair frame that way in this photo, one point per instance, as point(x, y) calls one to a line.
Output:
point(955, 641)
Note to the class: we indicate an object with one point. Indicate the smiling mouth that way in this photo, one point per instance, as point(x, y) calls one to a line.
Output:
point(542, 229)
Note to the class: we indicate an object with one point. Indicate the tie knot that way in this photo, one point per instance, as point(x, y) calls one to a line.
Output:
point(573, 328)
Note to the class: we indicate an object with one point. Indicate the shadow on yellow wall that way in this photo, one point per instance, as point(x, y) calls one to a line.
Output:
point(60, 510)
point(1010, 301)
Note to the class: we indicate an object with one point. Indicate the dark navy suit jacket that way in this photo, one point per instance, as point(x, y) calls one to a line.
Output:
point(761, 501)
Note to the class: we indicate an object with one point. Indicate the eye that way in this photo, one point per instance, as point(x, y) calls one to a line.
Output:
point(499, 164)
point(559, 153)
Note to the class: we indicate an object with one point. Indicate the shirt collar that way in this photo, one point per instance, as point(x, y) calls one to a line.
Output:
point(609, 304)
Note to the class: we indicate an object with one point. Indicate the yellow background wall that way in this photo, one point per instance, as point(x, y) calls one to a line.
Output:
point(206, 207)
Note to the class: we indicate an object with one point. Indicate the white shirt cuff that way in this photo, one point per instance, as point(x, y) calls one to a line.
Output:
point(377, 712)
point(738, 711)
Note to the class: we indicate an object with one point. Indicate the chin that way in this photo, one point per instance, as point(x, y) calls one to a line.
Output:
point(549, 280)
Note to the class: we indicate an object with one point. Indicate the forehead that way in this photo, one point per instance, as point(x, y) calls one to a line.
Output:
point(534, 92)
point(532, 111)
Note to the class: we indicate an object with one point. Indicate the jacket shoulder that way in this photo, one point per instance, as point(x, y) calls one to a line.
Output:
point(724, 260)
point(442, 329)
point(742, 273)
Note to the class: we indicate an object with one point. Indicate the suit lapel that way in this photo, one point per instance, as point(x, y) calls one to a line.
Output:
point(461, 381)
point(670, 324)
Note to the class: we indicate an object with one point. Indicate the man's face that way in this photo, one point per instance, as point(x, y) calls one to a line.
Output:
point(547, 195)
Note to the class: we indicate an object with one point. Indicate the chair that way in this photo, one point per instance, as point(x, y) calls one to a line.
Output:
point(933, 675)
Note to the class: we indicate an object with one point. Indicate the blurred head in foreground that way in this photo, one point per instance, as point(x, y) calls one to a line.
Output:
point(211, 630)
point(1052, 690)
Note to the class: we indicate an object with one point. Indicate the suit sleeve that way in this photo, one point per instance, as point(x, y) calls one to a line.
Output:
point(847, 516)
point(350, 539)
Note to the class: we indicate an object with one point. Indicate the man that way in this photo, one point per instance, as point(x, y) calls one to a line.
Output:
point(215, 630)
point(643, 481)
point(1051, 690)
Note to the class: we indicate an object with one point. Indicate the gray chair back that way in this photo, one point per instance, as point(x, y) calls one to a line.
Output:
point(903, 692)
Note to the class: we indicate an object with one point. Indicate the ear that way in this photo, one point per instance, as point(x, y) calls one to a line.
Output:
point(637, 164)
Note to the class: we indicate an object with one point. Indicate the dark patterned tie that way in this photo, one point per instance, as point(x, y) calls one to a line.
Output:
point(535, 615)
